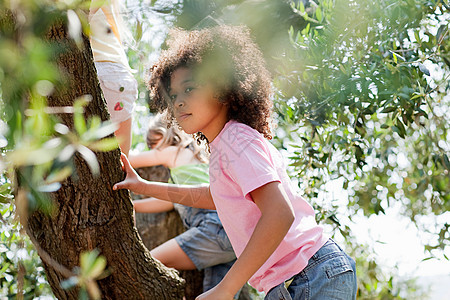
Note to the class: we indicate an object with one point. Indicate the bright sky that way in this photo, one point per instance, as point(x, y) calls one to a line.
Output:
point(397, 242)
point(394, 237)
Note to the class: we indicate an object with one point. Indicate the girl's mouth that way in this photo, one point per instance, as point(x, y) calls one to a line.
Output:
point(182, 117)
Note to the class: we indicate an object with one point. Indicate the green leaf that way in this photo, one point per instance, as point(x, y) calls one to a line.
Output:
point(106, 144)
point(416, 35)
point(4, 268)
point(59, 175)
point(417, 96)
point(49, 188)
point(83, 295)
point(319, 14)
point(97, 267)
point(79, 122)
point(100, 132)
point(74, 27)
point(94, 122)
point(446, 162)
point(424, 69)
point(396, 55)
point(447, 62)
point(440, 32)
point(90, 158)
point(87, 259)
point(138, 35)
point(67, 153)
point(388, 109)
point(401, 128)
point(69, 283)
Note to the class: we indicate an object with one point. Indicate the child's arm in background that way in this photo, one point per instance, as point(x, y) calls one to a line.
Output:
point(277, 216)
point(95, 5)
point(152, 205)
point(190, 195)
point(153, 157)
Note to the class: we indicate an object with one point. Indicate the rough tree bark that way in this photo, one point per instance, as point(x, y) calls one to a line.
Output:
point(156, 229)
point(89, 214)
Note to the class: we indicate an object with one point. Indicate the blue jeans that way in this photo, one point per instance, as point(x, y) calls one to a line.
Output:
point(214, 275)
point(206, 245)
point(330, 274)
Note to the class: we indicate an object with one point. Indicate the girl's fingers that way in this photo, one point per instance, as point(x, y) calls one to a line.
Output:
point(125, 162)
point(118, 186)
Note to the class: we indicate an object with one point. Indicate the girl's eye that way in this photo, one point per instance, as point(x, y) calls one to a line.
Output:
point(173, 97)
point(189, 89)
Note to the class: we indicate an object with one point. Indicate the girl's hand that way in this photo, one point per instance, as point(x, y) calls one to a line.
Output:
point(216, 293)
point(132, 180)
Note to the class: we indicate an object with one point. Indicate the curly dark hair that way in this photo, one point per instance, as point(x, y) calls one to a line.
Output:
point(228, 59)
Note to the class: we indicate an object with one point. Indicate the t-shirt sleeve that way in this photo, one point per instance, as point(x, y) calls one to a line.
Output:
point(251, 166)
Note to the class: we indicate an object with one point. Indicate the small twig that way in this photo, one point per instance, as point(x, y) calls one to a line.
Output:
point(404, 50)
point(20, 281)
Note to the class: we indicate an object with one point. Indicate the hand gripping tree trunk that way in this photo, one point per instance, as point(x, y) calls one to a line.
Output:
point(89, 214)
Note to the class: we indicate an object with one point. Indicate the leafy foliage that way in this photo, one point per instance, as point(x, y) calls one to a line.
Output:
point(21, 272)
point(360, 102)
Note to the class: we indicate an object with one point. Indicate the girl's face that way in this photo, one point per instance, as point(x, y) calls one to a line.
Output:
point(194, 105)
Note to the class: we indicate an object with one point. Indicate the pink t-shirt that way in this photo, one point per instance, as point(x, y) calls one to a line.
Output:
point(241, 161)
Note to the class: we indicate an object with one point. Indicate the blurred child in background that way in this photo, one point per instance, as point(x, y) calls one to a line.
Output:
point(204, 245)
point(114, 73)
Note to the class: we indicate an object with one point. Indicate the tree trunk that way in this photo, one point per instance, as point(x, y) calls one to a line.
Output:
point(156, 229)
point(89, 214)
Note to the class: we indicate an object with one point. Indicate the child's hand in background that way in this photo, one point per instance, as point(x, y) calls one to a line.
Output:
point(132, 180)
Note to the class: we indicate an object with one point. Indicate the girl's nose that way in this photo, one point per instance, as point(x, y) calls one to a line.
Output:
point(179, 103)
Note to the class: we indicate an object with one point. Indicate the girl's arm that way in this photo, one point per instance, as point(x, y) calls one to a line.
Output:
point(153, 157)
point(190, 195)
point(152, 205)
point(277, 216)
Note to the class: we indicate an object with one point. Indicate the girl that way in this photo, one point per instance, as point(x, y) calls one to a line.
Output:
point(114, 73)
point(204, 245)
point(214, 83)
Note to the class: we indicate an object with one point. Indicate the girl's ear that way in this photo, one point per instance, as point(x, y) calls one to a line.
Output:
point(219, 99)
